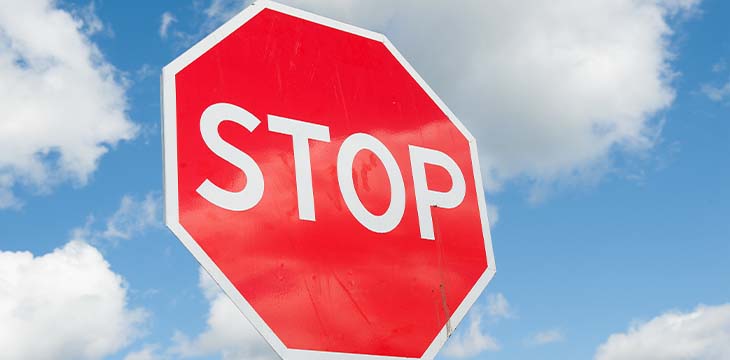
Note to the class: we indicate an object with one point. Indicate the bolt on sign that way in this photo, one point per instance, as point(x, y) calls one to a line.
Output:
point(324, 186)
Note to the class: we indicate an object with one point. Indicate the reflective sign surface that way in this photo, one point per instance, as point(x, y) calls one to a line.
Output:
point(364, 240)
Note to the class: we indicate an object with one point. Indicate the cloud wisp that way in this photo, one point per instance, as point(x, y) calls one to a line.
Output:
point(474, 339)
point(545, 337)
point(717, 93)
point(134, 216)
point(498, 306)
point(166, 21)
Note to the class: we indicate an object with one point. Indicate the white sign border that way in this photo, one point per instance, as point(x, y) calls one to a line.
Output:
point(170, 176)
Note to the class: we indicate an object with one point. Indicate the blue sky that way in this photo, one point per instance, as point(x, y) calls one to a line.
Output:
point(604, 126)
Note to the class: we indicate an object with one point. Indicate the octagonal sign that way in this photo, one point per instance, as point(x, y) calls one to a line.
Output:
point(324, 186)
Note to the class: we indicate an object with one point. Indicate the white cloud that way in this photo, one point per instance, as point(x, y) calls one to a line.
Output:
point(492, 214)
point(474, 340)
point(167, 19)
point(719, 66)
point(700, 334)
point(133, 217)
point(90, 22)
point(67, 304)
point(145, 71)
point(552, 89)
point(7, 198)
point(546, 337)
point(216, 12)
point(62, 105)
point(471, 342)
point(148, 352)
point(219, 11)
point(716, 93)
point(498, 306)
point(227, 334)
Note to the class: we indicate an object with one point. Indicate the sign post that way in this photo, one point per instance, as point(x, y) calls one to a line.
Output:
point(324, 186)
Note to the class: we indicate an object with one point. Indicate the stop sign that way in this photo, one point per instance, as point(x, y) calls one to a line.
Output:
point(324, 186)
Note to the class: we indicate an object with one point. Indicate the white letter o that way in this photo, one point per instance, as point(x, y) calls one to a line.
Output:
point(392, 217)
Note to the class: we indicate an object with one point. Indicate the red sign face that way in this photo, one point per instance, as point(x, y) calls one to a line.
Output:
point(324, 186)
